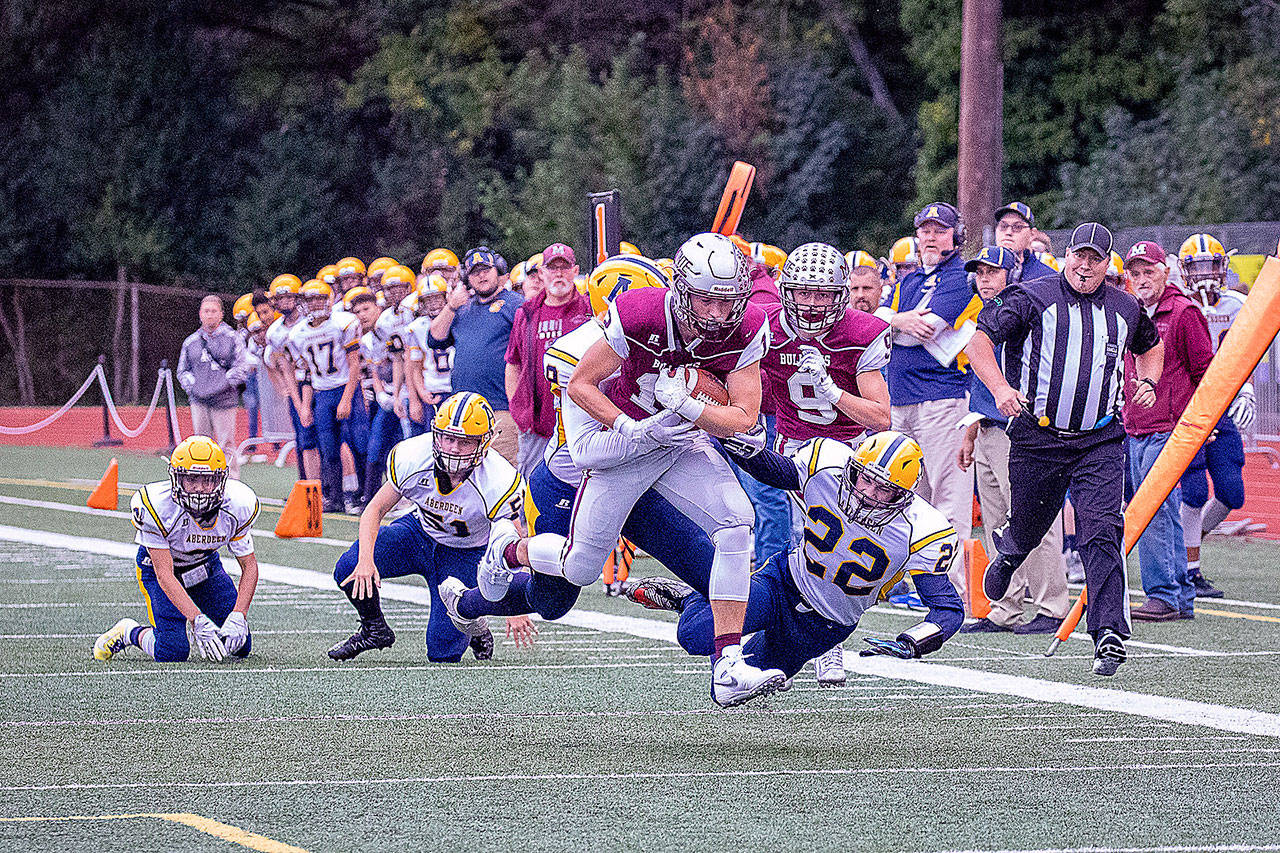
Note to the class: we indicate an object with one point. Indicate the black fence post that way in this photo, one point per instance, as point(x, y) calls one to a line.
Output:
point(107, 440)
point(168, 419)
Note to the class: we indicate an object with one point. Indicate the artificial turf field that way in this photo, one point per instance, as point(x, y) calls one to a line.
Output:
point(603, 736)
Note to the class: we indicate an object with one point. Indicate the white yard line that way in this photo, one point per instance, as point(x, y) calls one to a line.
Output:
point(1223, 718)
point(659, 776)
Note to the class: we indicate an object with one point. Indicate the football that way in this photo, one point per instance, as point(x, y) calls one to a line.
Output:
point(703, 385)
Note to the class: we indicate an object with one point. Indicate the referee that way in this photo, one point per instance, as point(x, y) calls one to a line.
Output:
point(1064, 339)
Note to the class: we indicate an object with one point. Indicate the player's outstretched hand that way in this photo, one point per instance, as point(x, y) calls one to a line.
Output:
point(747, 444)
point(363, 579)
point(202, 635)
point(234, 632)
point(521, 630)
point(893, 648)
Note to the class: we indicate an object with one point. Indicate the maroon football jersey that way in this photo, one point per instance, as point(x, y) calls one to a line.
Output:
point(641, 327)
point(858, 343)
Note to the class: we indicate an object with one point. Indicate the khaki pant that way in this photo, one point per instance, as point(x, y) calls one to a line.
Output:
point(220, 425)
point(1044, 573)
point(506, 442)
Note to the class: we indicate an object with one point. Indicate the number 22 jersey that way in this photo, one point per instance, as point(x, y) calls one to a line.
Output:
point(459, 517)
point(843, 568)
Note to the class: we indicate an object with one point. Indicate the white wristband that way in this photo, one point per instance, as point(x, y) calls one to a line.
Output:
point(691, 409)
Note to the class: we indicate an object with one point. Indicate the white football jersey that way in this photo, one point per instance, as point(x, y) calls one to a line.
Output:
point(162, 523)
point(843, 568)
point(562, 356)
point(278, 343)
point(459, 517)
point(1221, 316)
point(437, 364)
point(392, 329)
point(323, 348)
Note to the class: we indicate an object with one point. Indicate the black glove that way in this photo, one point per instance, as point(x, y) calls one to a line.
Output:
point(898, 648)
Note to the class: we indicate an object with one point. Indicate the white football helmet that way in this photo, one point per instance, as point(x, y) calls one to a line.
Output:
point(711, 267)
point(820, 272)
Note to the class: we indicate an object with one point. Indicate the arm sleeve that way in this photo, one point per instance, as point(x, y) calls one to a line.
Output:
point(510, 505)
point(771, 469)
point(1005, 315)
point(756, 349)
point(1145, 334)
point(614, 333)
point(150, 534)
point(945, 609)
point(239, 371)
point(241, 543)
point(183, 363)
point(876, 355)
point(436, 343)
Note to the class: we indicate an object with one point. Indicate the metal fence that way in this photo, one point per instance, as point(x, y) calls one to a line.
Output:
point(1246, 238)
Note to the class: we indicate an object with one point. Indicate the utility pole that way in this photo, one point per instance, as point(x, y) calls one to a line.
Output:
point(981, 153)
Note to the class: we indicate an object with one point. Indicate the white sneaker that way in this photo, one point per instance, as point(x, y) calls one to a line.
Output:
point(114, 641)
point(734, 681)
point(451, 590)
point(829, 668)
point(493, 575)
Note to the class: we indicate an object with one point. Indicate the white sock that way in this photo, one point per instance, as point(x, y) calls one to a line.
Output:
point(1214, 514)
point(147, 642)
point(350, 482)
point(1191, 520)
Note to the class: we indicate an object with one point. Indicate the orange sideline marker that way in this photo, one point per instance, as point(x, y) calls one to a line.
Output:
point(106, 494)
point(302, 512)
point(975, 563)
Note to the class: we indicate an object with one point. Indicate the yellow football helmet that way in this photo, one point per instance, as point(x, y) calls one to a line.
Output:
point(769, 255)
point(667, 265)
point(518, 273)
point(743, 246)
point(284, 283)
point(380, 266)
point(439, 259)
point(858, 258)
point(904, 257)
point(317, 299)
point(428, 299)
point(242, 308)
point(198, 475)
point(1203, 261)
point(349, 298)
point(398, 282)
point(1048, 259)
point(1115, 267)
point(253, 323)
point(620, 274)
point(350, 266)
point(880, 478)
point(328, 274)
point(464, 415)
point(625, 248)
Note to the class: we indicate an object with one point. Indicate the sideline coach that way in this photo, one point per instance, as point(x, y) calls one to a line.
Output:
point(1065, 338)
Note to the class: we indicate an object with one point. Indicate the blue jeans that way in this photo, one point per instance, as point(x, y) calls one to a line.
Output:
point(773, 507)
point(1161, 555)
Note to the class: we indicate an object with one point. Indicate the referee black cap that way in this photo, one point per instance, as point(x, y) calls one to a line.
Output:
point(1091, 235)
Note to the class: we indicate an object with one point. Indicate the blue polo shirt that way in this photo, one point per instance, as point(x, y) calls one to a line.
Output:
point(479, 335)
point(913, 374)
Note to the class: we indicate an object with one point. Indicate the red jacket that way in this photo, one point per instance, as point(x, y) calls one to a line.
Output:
point(1188, 350)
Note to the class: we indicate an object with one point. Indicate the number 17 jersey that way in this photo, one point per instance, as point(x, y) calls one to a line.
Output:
point(843, 568)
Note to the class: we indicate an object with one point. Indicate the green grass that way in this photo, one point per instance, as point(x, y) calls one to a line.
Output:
point(592, 740)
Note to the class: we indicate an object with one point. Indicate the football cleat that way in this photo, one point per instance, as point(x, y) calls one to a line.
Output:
point(451, 590)
point(482, 644)
point(829, 668)
point(1204, 587)
point(734, 681)
point(493, 575)
point(114, 641)
point(657, 593)
point(375, 634)
point(1109, 653)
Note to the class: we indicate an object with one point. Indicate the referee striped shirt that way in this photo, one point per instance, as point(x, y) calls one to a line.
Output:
point(1064, 350)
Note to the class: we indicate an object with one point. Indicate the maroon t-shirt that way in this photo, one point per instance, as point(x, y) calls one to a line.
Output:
point(536, 325)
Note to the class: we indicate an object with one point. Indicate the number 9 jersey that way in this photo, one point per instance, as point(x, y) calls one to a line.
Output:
point(843, 568)
point(459, 517)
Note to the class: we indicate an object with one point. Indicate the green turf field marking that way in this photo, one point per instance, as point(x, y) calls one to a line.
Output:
point(208, 826)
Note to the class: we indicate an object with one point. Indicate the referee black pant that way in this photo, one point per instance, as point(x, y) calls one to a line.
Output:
point(1043, 465)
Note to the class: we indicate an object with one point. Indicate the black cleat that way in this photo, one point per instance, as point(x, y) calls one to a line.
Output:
point(1043, 623)
point(983, 626)
point(1204, 589)
point(1109, 653)
point(482, 644)
point(372, 635)
point(657, 593)
point(995, 580)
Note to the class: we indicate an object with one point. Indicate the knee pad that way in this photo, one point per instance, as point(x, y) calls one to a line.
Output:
point(730, 567)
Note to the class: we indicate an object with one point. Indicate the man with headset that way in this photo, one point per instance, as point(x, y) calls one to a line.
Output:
point(928, 391)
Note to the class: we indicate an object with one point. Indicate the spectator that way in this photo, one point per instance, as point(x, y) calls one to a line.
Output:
point(211, 369)
point(929, 396)
point(866, 287)
point(986, 447)
point(1188, 349)
point(1015, 228)
point(556, 310)
point(476, 320)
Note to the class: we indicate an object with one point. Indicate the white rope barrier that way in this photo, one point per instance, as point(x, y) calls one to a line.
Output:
point(115, 415)
point(75, 398)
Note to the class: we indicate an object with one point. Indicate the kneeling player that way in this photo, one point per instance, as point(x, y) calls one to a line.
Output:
point(808, 601)
point(181, 525)
point(460, 487)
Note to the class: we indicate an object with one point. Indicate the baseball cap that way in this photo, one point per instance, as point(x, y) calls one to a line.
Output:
point(1091, 235)
point(1018, 208)
point(1146, 250)
point(481, 256)
point(991, 256)
point(558, 252)
point(939, 212)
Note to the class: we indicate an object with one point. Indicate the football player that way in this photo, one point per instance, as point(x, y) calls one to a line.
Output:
point(459, 487)
point(865, 529)
point(181, 524)
point(703, 321)
point(904, 258)
point(285, 370)
point(429, 370)
point(392, 332)
point(351, 273)
point(1203, 261)
point(328, 344)
point(552, 488)
point(443, 261)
